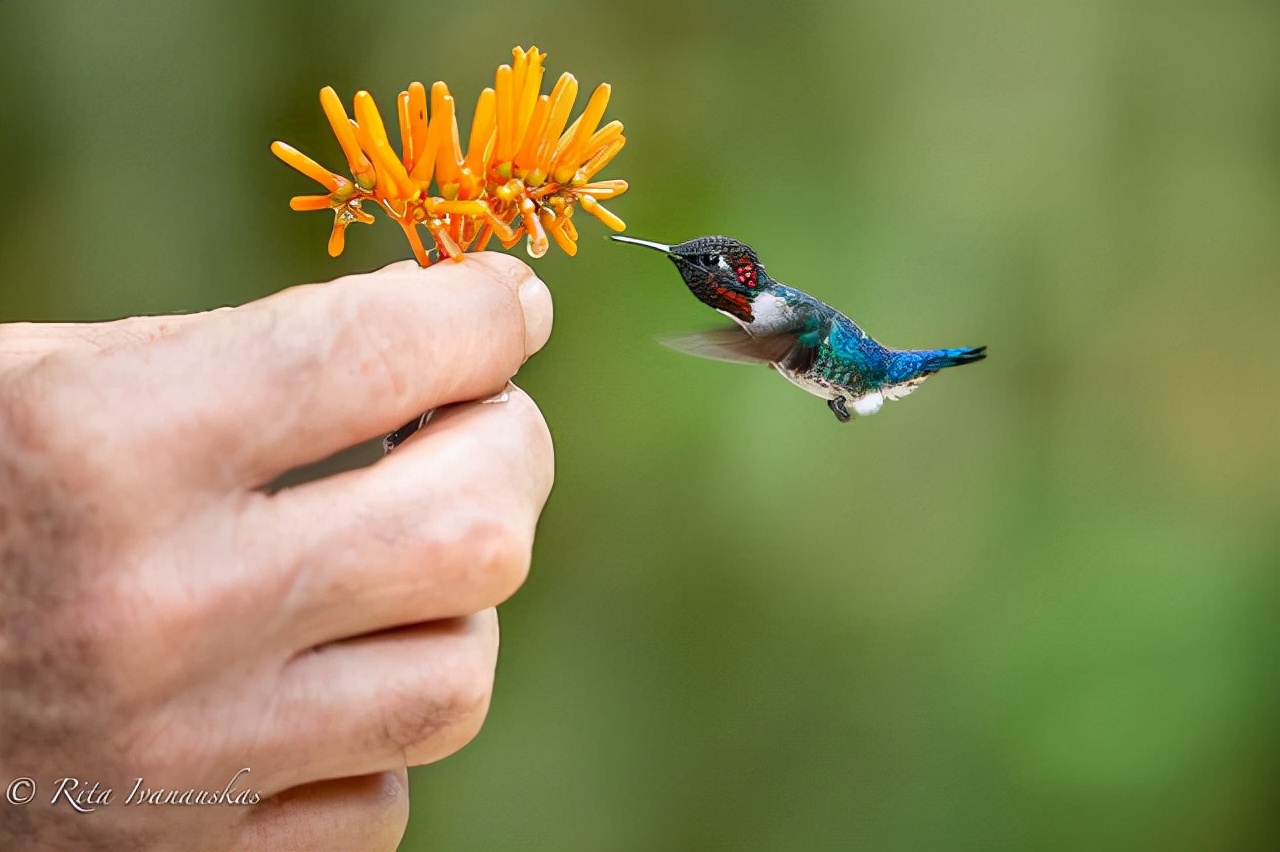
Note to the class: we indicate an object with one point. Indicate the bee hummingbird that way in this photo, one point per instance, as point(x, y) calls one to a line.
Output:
point(806, 340)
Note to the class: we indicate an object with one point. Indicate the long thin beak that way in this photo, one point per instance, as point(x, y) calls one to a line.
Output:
point(646, 243)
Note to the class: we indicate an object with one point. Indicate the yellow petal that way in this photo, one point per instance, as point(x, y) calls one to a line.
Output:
point(555, 227)
point(449, 152)
point(562, 98)
point(309, 167)
point(417, 121)
point(415, 243)
point(537, 244)
point(525, 158)
point(462, 208)
point(481, 133)
point(404, 115)
point(504, 150)
point(527, 98)
point(501, 229)
point(602, 189)
point(600, 140)
point(369, 121)
point(361, 166)
point(599, 161)
point(444, 242)
point(337, 237)
point(566, 138)
point(569, 158)
point(515, 237)
point(310, 202)
point(595, 208)
point(425, 167)
point(519, 70)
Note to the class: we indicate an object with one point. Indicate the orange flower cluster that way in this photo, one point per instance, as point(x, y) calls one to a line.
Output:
point(522, 172)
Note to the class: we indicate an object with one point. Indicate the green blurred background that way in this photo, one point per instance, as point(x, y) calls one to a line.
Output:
point(1033, 607)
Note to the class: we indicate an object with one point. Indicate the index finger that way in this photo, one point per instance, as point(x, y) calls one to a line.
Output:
point(257, 390)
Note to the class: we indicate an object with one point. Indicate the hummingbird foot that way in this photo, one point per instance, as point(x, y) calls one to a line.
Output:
point(838, 408)
point(403, 434)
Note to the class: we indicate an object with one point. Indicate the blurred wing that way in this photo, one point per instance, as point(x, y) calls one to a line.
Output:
point(734, 345)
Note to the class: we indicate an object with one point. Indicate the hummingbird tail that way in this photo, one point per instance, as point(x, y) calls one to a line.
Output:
point(937, 359)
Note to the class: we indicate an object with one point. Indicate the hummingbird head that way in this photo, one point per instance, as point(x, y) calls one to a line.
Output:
point(722, 272)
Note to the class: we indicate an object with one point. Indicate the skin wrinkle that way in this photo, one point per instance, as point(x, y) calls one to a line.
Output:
point(175, 725)
point(297, 570)
point(265, 325)
point(264, 733)
point(298, 566)
point(407, 719)
point(190, 751)
point(342, 802)
point(175, 729)
point(25, 342)
point(218, 529)
point(431, 690)
point(294, 336)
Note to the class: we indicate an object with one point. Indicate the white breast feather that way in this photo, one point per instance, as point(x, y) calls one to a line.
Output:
point(768, 312)
point(868, 404)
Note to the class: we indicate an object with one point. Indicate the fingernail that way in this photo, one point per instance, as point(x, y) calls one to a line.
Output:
point(535, 298)
point(501, 396)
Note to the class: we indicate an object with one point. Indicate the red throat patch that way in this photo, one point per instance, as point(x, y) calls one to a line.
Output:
point(732, 303)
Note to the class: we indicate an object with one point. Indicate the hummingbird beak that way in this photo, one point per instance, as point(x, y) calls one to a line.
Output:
point(646, 243)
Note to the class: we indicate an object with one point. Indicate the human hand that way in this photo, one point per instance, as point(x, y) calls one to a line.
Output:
point(163, 618)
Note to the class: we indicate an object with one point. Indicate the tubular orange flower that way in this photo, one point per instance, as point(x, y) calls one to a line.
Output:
point(361, 168)
point(521, 174)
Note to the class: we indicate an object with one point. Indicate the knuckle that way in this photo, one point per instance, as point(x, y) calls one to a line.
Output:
point(413, 712)
point(488, 534)
point(131, 613)
point(31, 408)
point(467, 726)
point(480, 550)
point(497, 553)
point(406, 719)
point(57, 461)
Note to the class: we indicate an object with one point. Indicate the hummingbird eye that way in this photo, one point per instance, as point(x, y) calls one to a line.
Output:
point(718, 260)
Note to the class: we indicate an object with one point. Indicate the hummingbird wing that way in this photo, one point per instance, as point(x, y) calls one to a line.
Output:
point(736, 346)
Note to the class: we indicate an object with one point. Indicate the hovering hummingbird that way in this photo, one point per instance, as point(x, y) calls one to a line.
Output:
point(806, 340)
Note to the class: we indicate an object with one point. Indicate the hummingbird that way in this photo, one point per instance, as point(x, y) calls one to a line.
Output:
point(810, 343)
